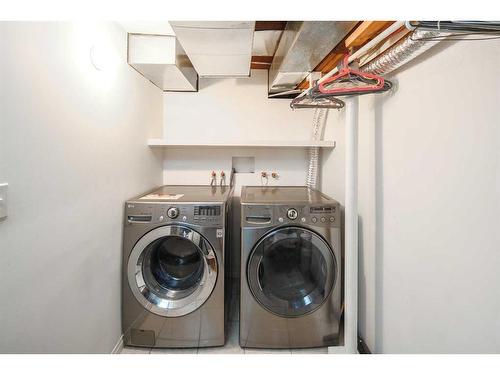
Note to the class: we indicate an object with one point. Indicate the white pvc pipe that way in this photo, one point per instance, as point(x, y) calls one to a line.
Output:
point(351, 227)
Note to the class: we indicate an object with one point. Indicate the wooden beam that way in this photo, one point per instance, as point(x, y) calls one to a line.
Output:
point(269, 25)
point(261, 62)
point(262, 59)
point(365, 32)
point(259, 66)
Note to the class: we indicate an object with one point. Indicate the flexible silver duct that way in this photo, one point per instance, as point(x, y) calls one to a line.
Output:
point(319, 121)
point(400, 53)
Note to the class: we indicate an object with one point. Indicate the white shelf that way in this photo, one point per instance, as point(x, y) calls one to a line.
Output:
point(158, 142)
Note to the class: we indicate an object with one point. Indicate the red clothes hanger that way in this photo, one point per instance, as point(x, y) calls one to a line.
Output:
point(345, 74)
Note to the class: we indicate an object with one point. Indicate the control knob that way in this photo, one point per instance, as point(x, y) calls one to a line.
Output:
point(292, 213)
point(173, 212)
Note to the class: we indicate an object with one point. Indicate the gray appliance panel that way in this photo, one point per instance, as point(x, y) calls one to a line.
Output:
point(260, 328)
point(264, 210)
point(283, 194)
point(186, 194)
point(204, 326)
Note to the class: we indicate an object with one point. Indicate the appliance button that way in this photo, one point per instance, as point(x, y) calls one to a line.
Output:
point(280, 219)
point(323, 219)
point(332, 219)
point(314, 219)
point(292, 213)
point(303, 219)
point(161, 218)
point(173, 212)
point(184, 218)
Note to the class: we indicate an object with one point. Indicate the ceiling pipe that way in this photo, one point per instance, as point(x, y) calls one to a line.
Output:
point(351, 227)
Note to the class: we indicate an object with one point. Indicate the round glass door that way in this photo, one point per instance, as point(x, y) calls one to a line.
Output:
point(172, 270)
point(291, 271)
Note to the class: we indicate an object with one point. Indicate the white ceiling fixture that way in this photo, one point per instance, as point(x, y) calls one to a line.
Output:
point(217, 49)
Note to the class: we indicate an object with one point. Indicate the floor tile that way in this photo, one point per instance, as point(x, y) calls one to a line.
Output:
point(310, 351)
point(175, 351)
point(131, 350)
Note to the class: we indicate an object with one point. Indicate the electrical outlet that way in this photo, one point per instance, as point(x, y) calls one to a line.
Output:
point(3, 200)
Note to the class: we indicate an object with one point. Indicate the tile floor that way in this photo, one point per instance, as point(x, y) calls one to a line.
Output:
point(232, 343)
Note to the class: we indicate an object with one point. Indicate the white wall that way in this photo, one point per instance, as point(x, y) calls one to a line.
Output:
point(429, 178)
point(235, 110)
point(73, 149)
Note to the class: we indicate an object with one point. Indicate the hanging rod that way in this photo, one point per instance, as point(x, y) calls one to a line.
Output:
point(456, 26)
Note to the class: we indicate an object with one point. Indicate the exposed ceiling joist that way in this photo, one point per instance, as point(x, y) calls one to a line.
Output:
point(269, 25)
point(261, 62)
point(366, 31)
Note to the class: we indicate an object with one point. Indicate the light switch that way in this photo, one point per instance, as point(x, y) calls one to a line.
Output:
point(3, 200)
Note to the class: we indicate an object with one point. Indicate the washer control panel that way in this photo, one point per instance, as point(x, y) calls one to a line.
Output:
point(157, 213)
point(207, 214)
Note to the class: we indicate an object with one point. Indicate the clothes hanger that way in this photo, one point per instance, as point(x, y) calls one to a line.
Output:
point(309, 101)
point(340, 84)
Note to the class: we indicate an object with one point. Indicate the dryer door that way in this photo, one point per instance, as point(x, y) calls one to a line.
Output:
point(172, 270)
point(291, 271)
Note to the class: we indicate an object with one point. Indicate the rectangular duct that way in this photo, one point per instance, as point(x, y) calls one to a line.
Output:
point(217, 49)
point(162, 60)
point(302, 47)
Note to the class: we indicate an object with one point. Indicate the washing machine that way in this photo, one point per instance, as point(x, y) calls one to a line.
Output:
point(174, 255)
point(291, 256)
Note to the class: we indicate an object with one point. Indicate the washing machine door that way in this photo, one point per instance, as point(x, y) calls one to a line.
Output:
point(172, 270)
point(291, 271)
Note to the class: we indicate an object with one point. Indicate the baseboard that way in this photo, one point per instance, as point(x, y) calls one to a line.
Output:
point(118, 347)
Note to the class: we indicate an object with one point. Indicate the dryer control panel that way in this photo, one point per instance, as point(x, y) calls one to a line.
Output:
point(268, 215)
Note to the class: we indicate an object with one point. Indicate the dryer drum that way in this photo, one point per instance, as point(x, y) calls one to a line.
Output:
point(291, 271)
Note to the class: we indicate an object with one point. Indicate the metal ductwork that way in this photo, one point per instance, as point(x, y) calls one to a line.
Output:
point(162, 60)
point(303, 45)
point(217, 49)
